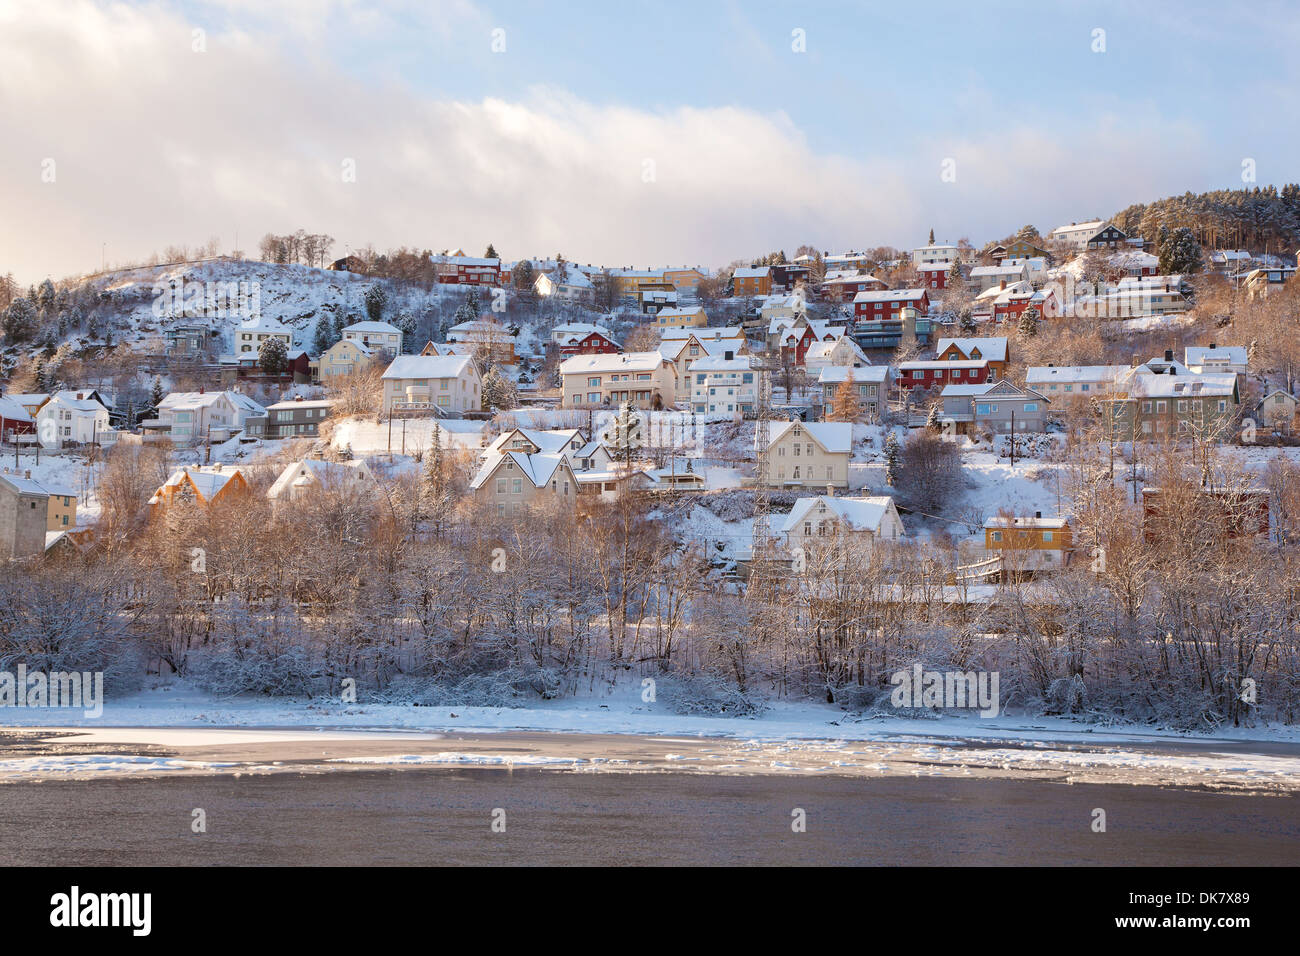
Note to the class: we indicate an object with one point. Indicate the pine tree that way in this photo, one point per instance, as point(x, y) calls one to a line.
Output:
point(1028, 327)
point(156, 394)
point(891, 459)
point(39, 375)
point(491, 252)
point(376, 301)
point(968, 326)
point(324, 337)
point(931, 237)
point(273, 356)
point(498, 391)
point(932, 421)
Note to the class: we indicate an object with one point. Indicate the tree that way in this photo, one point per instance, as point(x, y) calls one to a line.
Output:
point(930, 470)
point(18, 321)
point(156, 392)
point(933, 421)
point(498, 391)
point(1028, 326)
point(325, 335)
point(273, 356)
point(376, 300)
point(522, 277)
point(891, 459)
point(846, 407)
point(406, 323)
point(968, 326)
point(932, 237)
point(1179, 252)
point(491, 252)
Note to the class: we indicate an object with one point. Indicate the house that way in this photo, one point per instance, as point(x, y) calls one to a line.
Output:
point(1008, 306)
point(376, 336)
point(1068, 380)
point(794, 337)
point(1019, 249)
point(569, 284)
point(205, 485)
point(61, 515)
point(1029, 544)
point(646, 379)
point(1083, 236)
point(1134, 264)
point(467, 270)
point(296, 418)
point(629, 284)
point(15, 420)
point(934, 275)
point(984, 278)
point(872, 383)
point(692, 316)
point(570, 331)
point(310, 477)
point(681, 352)
point(844, 262)
point(196, 416)
point(830, 521)
point(1277, 410)
point(514, 482)
point(841, 286)
point(809, 455)
point(725, 386)
point(910, 326)
point(1164, 399)
point(446, 384)
point(73, 417)
point(1258, 283)
point(24, 516)
point(686, 280)
point(752, 281)
point(31, 402)
point(877, 306)
point(928, 374)
point(584, 338)
point(1130, 302)
point(348, 264)
point(733, 333)
point(446, 348)
point(250, 335)
point(842, 351)
point(654, 300)
point(184, 341)
point(993, 350)
point(1000, 407)
point(1230, 260)
point(788, 275)
point(676, 475)
point(343, 358)
point(1229, 358)
point(487, 338)
point(943, 255)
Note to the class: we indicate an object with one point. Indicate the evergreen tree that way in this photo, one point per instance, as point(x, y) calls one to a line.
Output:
point(156, 394)
point(498, 391)
point(491, 252)
point(406, 323)
point(933, 421)
point(1028, 327)
point(376, 301)
point(968, 326)
point(891, 459)
point(1180, 253)
point(39, 375)
point(273, 356)
point(324, 337)
point(931, 237)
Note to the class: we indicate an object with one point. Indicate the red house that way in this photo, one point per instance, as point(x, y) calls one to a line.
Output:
point(1011, 304)
point(14, 420)
point(467, 270)
point(593, 343)
point(927, 375)
point(934, 275)
point(872, 306)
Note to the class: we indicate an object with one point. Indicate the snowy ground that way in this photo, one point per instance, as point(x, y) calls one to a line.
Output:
point(368, 437)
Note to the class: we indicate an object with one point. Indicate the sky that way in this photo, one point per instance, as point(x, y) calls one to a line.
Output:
point(625, 134)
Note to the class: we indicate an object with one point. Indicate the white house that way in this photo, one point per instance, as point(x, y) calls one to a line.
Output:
point(828, 519)
point(723, 388)
point(252, 333)
point(1228, 358)
point(448, 383)
point(378, 336)
point(571, 285)
point(309, 477)
point(73, 416)
point(809, 454)
point(192, 416)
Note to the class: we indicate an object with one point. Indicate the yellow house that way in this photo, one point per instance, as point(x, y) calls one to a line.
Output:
point(1029, 544)
point(686, 279)
point(62, 513)
point(343, 358)
point(692, 317)
point(514, 482)
point(630, 283)
point(647, 379)
point(809, 454)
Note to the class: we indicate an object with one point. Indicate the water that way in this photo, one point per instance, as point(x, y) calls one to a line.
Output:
point(443, 816)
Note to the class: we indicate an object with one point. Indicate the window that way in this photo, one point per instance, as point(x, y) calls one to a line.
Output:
point(1031, 406)
point(593, 383)
point(1047, 537)
point(516, 486)
point(501, 486)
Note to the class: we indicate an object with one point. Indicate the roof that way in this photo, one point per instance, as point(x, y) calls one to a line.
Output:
point(964, 390)
point(993, 348)
point(537, 468)
point(1199, 355)
point(208, 479)
point(303, 403)
point(861, 514)
point(69, 399)
point(751, 272)
point(885, 295)
point(680, 313)
point(717, 363)
point(998, 521)
point(1150, 385)
point(549, 441)
point(626, 362)
point(979, 271)
point(24, 486)
point(427, 366)
point(835, 437)
point(319, 471)
point(835, 374)
point(702, 332)
point(919, 365)
point(13, 410)
point(372, 327)
point(1046, 374)
point(573, 276)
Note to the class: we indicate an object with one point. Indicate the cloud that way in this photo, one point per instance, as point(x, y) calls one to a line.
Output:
point(156, 144)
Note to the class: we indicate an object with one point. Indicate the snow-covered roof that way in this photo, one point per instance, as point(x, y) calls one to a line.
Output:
point(626, 362)
point(549, 441)
point(12, 410)
point(860, 514)
point(702, 332)
point(995, 271)
point(680, 313)
point(993, 348)
point(538, 468)
point(718, 363)
point(573, 276)
point(317, 471)
point(1049, 524)
point(870, 374)
point(428, 366)
point(752, 272)
point(921, 365)
point(363, 327)
point(300, 403)
point(1182, 386)
point(69, 399)
point(1226, 354)
point(1047, 374)
point(888, 295)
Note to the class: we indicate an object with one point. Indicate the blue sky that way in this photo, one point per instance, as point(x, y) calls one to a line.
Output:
point(545, 146)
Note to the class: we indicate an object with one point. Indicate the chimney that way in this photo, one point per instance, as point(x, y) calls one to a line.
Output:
point(728, 355)
point(1038, 514)
point(830, 490)
point(297, 398)
point(28, 474)
point(1169, 355)
point(1212, 346)
point(1002, 284)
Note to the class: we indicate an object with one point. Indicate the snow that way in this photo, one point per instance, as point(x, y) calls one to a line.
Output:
point(368, 437)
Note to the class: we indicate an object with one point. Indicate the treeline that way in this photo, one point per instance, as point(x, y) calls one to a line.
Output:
point(1257, 218)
